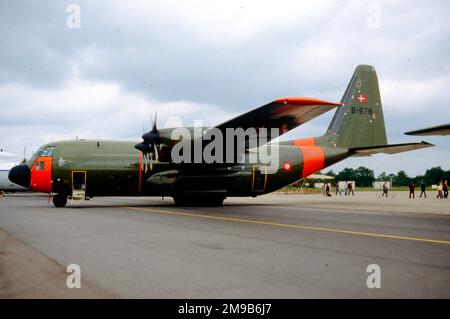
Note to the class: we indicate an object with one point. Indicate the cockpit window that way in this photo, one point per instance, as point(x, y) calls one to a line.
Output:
point(47, 151)
point(40, 166)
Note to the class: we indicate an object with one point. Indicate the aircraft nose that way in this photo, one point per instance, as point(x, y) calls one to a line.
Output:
point(20, 175)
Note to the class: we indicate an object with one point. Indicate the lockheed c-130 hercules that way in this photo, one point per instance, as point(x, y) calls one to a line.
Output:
point(87, 168)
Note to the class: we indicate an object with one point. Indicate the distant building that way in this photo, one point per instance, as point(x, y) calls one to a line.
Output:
point(379, 185)
point(343, 184)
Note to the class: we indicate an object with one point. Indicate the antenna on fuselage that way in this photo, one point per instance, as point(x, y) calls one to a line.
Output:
point(24, 160)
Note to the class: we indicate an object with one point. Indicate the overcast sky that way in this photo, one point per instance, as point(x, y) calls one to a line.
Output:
point(210, 60)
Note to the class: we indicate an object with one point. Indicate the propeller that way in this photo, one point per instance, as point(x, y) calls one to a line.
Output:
point(150, 145)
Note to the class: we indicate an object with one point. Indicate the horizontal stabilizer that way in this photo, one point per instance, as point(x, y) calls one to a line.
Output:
point(389, 149)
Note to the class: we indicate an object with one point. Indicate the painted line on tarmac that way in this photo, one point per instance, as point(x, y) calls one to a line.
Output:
point(260, 222)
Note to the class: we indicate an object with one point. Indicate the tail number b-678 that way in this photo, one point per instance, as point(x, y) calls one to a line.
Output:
point(362, 110)
point(259, 309)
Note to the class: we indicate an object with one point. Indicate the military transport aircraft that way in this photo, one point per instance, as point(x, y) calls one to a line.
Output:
point(5, 184)
point(84, 169)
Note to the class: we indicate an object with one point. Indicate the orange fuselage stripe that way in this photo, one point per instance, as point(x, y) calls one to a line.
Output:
point(313, 160)
point(305, 142)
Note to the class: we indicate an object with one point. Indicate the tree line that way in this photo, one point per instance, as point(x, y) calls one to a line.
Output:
point(365, 177)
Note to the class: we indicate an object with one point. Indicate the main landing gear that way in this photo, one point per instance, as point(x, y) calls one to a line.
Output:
point(60, 200)
point(198, 200)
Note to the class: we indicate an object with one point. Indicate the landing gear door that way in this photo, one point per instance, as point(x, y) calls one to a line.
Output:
point(78, 186)
point(259, 178)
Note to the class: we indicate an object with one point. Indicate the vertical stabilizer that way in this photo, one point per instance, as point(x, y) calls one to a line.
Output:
point(360, 122)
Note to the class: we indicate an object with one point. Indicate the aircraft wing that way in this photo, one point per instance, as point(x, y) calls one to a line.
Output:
point(435, 130)
point(5, 154)
point(389, 149)
point(284, 114)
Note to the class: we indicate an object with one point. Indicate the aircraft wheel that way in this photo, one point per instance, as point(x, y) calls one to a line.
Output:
point(215, 202)
point(59, 200)
point(199, 201)
point(179, 200)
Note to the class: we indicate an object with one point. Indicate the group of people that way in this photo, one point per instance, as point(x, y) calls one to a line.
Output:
point(347, 191)
point(442, 190)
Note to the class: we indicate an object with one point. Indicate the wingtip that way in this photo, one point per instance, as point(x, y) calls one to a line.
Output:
point(427, 144)
point(306, 101)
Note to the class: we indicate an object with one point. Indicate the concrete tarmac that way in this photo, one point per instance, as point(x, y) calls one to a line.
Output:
point(274, 246)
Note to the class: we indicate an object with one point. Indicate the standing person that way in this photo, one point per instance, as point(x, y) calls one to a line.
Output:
point(445, 189)
point(439, 191)
point(327, 190)
point(336, 184)
point(350, 189)
point(385, 190)
point(423, 188)
point(412, 188)
point(346, 188)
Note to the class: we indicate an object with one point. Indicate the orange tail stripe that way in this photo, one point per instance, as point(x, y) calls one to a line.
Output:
point(313, 160)
point(305, 142)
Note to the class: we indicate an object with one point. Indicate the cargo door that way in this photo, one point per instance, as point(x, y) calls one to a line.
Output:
point(259, 178)
point(78, 186)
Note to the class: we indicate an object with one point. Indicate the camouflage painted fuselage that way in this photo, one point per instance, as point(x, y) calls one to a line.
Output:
point(115, 168)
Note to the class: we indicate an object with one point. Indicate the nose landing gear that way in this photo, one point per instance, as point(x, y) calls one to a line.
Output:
point(60, 200)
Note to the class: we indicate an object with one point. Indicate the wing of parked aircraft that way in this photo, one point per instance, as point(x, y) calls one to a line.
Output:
point(284, 114)
point(435, 130)
point(4, 155)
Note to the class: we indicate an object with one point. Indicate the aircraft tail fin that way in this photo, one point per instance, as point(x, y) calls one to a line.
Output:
point(360, 122)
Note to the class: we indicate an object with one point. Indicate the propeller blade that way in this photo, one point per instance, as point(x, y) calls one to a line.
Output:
point(156, 152)
point(150, 144)
point(155, 129)
point(145, 164)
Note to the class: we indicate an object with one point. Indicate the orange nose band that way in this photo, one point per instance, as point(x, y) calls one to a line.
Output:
point(41, 175)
